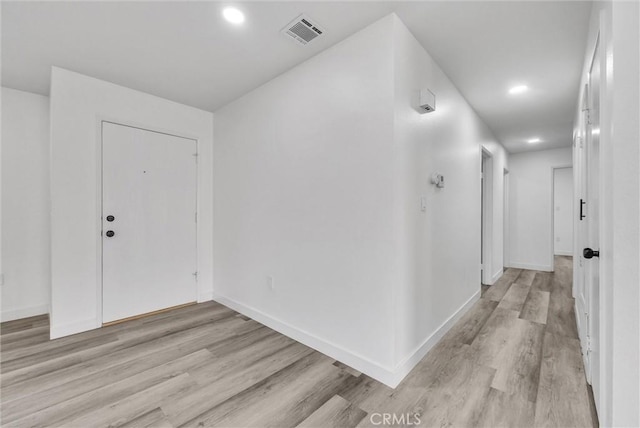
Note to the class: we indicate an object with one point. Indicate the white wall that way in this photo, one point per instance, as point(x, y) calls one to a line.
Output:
point(304, 193)
point(25, 204)
point(78, 104)
point(563, 212)
point(531, 207)
point(440, 271)
point(617, 24)
point(318, 179)
point(625, 213)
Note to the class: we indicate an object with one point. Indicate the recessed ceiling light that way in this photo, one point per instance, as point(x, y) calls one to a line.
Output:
point(534, 140)
point(518, 89)
point(233, 15)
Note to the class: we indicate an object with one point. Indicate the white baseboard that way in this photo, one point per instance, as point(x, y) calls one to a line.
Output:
point(205, 296)
point(581, 338)
point(496, 276)
point(563, 253)
point(358, 362)
point(418, 354)
point(387, 375)
point(58, 331)
point(577, 318)
point(31, 311)
point(518, 265)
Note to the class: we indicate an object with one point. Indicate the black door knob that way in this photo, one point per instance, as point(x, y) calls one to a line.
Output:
point(588, 253)
point(110, 233)
point(110, 218)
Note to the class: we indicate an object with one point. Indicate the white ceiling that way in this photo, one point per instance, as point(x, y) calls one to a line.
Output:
point(186, 52)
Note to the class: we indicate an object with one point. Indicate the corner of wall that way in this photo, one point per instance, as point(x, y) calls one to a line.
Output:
point(384, 374)
point(25, 169)
point(428, 143)
point(61, 330)
point(25, 312)
point(313, 246)
point(404, 366)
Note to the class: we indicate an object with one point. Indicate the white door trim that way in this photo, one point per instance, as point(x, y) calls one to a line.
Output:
point(99, 123)
point(487, 204)
point(505, 219)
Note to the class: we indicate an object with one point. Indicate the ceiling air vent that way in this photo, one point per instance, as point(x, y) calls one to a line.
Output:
point(303, 30)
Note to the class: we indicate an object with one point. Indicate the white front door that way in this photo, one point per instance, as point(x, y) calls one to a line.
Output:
point(148, 221)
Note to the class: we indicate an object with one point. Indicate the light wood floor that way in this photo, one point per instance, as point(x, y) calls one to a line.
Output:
point(513, 360)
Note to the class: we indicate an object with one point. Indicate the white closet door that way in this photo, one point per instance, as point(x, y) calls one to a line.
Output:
point(149, 208)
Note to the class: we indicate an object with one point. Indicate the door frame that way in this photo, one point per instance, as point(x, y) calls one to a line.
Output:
point(553, 209)
point(100, 120)
point(505, 219)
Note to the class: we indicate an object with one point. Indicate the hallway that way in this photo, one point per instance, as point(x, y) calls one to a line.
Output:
point(512, 360)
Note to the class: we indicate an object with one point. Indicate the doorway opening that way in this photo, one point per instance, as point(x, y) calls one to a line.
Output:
point(562, 221)
point(505, 220)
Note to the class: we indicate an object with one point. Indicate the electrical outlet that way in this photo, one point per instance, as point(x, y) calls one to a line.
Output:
point(270, 283)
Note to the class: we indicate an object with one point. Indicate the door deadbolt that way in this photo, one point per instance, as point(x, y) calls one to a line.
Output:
point(110, 233)
point(110, 218)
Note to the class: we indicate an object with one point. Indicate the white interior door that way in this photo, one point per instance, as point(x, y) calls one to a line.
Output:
point(148, 221)
point(592, 264)
point(581, 286)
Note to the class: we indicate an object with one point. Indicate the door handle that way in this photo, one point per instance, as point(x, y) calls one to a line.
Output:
point(588, 253)
point(582, 202)
point(110, 233)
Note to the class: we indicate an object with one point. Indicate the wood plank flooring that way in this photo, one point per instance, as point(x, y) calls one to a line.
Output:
point(513, 360)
